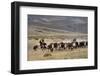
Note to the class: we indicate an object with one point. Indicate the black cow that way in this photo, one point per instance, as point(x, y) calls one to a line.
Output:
point(86, 43)
point(82, 44)
point(50, 47)
point(43, 45)
point(61, 45)
point(70, 46)
point(75, 44)
point(55, 46)
point(35, 47)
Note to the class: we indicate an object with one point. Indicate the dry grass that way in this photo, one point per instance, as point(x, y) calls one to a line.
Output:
point(64, 54)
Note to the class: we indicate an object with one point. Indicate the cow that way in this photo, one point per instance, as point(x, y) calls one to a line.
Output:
point(55, 46)
point(86, 43)
point(43, 45)
point(62, 45)
point(82, 44)
point(50, 47)
point(75, 44)
point(35, 47)
point(70, 46)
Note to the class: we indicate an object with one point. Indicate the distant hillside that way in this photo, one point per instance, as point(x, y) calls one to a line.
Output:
point(65, 23)
point(36, 30)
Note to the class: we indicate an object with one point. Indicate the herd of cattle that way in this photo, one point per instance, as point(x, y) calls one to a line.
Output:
point(61, 45)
